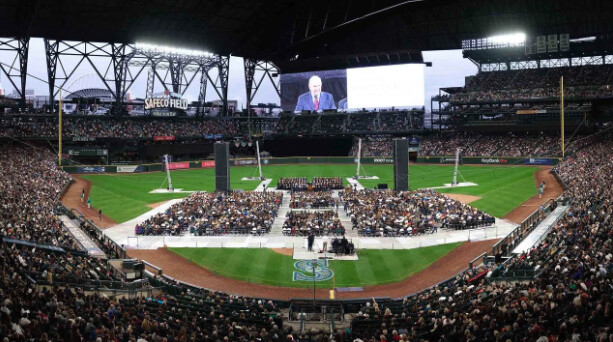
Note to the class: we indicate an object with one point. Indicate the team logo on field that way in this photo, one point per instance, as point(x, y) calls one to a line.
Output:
point(307, 267)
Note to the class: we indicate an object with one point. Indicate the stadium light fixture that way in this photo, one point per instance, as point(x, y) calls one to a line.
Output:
point(147, 47)
point(583, 39)
point(508, 39)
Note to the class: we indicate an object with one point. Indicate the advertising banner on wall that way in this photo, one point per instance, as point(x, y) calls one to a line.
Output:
point(207, 163)
point(489, 161)
point(540, 161)
point(163, 138)
point(91, 169)
point(83, 138)
point(382, 160)
point(130, 168)
point(238, 162)
point(178, 165)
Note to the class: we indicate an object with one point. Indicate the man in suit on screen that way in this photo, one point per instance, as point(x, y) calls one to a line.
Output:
point(315, 99)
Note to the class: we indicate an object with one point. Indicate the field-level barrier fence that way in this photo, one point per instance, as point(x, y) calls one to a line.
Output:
point(379, 160)
point(106, 243)
point(511, 240)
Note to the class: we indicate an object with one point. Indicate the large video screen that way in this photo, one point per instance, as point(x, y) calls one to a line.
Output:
point(400, 86)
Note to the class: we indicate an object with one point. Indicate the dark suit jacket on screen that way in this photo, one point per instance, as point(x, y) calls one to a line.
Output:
point(305, 102)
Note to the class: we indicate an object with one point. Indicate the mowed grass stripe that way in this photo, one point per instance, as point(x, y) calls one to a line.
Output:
point(267, 267)
point(349, 274)
point(379, 267)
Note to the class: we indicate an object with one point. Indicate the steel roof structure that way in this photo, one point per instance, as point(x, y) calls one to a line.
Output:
point(277, 30)
point(293, 35)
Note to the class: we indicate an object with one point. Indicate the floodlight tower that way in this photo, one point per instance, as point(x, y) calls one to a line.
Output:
point(170, 188)
point(357, 172)
point(257, 149)
point(455, 171)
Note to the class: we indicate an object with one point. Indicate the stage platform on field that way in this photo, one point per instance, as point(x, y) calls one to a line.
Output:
point(304, 254)
point(301, 252)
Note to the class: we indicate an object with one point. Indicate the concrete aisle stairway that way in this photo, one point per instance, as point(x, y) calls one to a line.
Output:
point(283, 209)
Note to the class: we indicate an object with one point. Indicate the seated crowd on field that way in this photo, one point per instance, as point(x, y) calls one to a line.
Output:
point(293, 184)
point(319, 223)
point(384, 213)
point(327, 183)
point(216, 214)
point(317, 184)
point(312, 200)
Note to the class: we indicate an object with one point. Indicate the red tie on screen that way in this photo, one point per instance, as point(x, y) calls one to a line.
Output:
point(316, 103)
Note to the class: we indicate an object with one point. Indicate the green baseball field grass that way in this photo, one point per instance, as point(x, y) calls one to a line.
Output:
point(123, 197)
point(375, 267)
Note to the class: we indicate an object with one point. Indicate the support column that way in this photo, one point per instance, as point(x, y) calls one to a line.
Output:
point(223, 64)
point(12, 70)
point(249, 78)
point(202, 93)
point(176, 73)
point(51, 52)
point(150, 81)
point(119, 67)
point(22, 51)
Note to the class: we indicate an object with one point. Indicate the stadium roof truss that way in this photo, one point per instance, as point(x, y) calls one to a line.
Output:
point(280, 30)
point(125, 63)
point(18, 67)
point(293, 35)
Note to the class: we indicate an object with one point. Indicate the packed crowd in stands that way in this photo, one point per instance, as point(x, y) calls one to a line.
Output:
point(569, 300)
point(472, 144)
point(28, 127)
point(400, 121)
point(216, 214)
point(33, 306)
point(373, 146)
point(30, 186)
point(312, 200)
point(583, 82)
point(20, 126)
point(390, 213)
point(359, 122)
point(49, 267)
point(320, 223)
point(68, 313)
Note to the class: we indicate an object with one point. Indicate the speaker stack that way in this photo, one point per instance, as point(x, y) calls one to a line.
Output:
point(401, 164)
point(222, 167)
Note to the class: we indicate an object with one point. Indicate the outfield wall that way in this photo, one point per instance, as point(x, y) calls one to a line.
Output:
point(306, 160)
